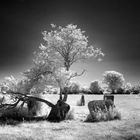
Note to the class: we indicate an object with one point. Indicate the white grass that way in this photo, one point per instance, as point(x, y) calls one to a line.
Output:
point(128, 128)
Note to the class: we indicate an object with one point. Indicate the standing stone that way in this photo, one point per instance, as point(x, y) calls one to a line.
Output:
point(97, 105)
point(82, 100)
point(109, 97)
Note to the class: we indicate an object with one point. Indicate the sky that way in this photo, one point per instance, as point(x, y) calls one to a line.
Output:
point(112, 25)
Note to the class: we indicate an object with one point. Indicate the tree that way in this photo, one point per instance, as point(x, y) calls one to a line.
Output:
point(34, 81)
point(113, 79)
point(95, 87)
point(68, 45)
point(128, 88)
point(62, 47)
point(65, 46)
point(136, 89)
point(85, 90)
point(74, 88)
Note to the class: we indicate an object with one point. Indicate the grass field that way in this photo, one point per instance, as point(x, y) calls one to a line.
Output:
point(128, 128)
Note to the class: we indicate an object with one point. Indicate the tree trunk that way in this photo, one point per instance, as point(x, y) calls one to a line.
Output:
point(58, 112)
point(67, 66)
point(61, 91)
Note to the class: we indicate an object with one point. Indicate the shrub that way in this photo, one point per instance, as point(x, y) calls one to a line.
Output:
point(112, 114)
point(120, 91)
point(136, 89)
point(85, 90)
point(128, 88)
point(13, 116)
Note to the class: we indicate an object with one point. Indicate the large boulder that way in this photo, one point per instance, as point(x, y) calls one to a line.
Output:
point(100, 105)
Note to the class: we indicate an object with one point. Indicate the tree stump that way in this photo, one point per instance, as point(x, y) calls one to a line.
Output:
point(59, 111)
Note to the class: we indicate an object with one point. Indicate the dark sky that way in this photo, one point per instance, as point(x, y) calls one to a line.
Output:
point(111, 25)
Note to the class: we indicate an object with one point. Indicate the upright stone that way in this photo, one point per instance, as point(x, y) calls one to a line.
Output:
point(100, 105)
point(109, 97)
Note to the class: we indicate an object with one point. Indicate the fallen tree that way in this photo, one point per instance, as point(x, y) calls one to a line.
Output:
point(62, 47)
point(58, 111)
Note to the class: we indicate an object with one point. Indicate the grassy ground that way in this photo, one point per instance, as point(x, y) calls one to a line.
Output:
point(128, 128)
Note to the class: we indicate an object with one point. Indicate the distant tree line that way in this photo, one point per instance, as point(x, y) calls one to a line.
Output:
point(113, 83)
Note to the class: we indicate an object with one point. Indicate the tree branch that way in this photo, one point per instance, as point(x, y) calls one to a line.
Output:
point(75, 75)
point(73, 56)
point(24, 97)
point(72, 76)
point(10, 106)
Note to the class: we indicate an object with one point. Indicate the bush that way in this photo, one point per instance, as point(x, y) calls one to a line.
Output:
point(136, 89)
point(13, 116)
point(128, 88)
point(85, 91)
point(120, 91)
point(112, 114)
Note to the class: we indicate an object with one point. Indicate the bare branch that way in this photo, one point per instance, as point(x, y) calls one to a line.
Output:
point(73, 57)
point(75, 75)
point(72, 76)
point(10, 106)
point(24, 97)
point(41, 100)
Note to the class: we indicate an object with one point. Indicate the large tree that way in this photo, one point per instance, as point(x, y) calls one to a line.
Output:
point(67, 45)
point(114, 80)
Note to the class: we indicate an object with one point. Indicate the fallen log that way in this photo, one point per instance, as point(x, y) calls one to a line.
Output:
point(58, 111)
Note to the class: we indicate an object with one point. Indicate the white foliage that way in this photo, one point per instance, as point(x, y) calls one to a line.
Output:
point(62, 77)
point(74, 87)
point(113, 79)
point(68, 44)
point(9, 83)
point(95, 86)
point(128, 86)
point(63, 46)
